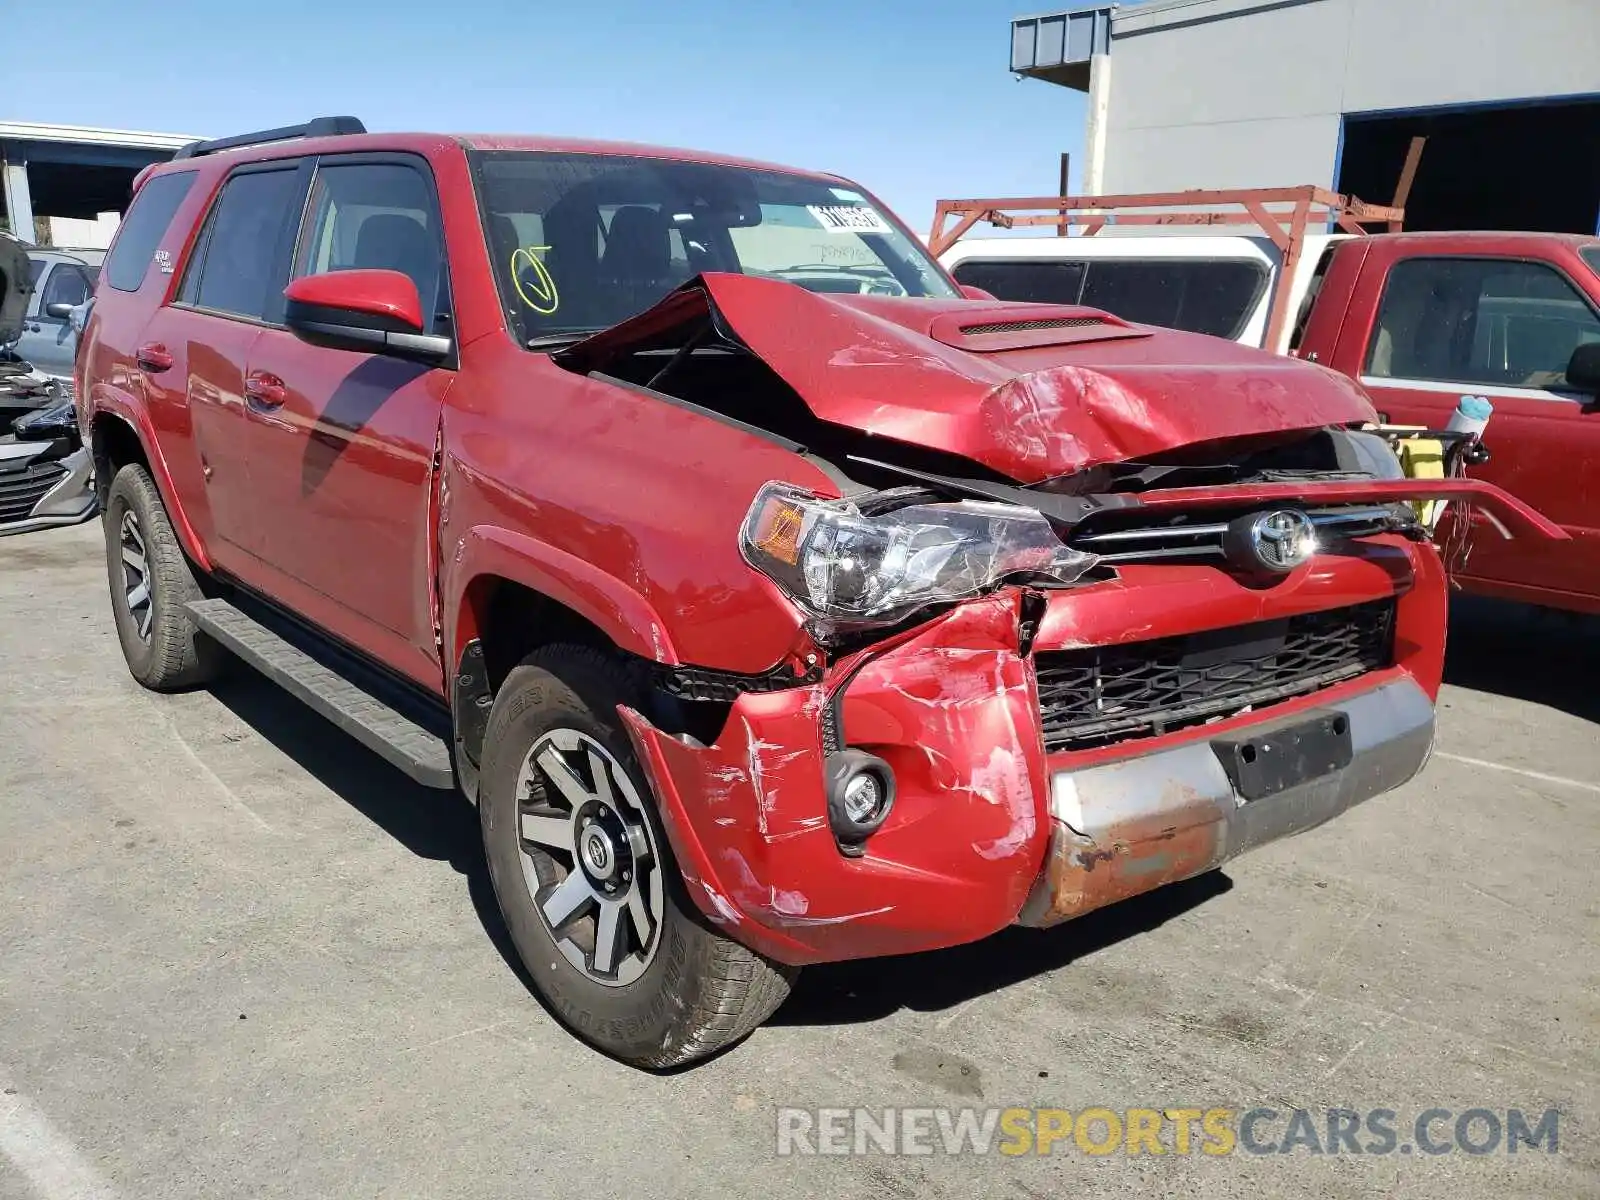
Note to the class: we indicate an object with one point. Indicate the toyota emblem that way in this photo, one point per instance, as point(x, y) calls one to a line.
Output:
point(1282, 540)
point(1272, 543)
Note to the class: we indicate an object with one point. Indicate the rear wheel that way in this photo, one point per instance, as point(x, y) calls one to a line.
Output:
point(151, 582)
point(586, 879)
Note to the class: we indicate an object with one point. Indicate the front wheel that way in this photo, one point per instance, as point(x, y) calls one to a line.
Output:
point(586, 879)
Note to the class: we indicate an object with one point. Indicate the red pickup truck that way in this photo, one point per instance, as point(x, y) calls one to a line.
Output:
point(1423, 319)
point(775, 601)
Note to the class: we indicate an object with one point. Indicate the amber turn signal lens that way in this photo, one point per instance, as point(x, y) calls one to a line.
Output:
point(778, 531)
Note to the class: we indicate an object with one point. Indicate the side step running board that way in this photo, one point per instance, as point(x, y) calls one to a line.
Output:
point(416, 751)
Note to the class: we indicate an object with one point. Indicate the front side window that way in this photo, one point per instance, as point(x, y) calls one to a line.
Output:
point(1485, 321)
point(142, 229)
point(377, 215)
point(242, 265)
point(1591, 255)
point(581, 242)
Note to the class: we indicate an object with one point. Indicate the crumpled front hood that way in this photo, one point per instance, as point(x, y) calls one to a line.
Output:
point(1030, 391)
point(13, 288)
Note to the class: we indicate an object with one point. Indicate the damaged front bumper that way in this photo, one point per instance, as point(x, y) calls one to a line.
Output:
point(1120, 829)
point(989, 828)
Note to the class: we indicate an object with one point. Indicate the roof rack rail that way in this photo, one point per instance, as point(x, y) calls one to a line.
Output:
point(319, 127)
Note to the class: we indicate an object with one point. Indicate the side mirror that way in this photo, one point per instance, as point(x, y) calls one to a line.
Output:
point(1583, 369)
point(976, 293)
point(366, 311)
point(60, 310)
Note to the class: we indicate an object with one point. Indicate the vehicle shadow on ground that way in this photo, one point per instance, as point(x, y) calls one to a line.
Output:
point(870, 989)
point(431, 823)
point(1525, 653)
point(443, 826)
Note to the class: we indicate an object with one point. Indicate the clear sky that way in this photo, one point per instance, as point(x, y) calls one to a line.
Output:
point(910, 97)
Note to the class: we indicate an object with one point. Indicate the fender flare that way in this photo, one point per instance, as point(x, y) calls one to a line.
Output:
point(137, 419)
point(603, 600)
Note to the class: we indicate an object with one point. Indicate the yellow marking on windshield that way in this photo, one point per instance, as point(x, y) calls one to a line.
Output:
point(538, 293)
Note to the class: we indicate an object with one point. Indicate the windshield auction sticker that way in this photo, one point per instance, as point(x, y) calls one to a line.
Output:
point(848, 218)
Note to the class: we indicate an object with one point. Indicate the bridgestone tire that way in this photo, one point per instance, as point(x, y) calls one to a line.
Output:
point(701, 991)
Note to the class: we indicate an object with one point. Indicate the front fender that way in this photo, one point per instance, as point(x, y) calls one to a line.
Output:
point(619, 611)
point(117, 405)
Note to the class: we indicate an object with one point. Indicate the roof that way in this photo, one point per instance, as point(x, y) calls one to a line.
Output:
point(27, 131)
point(560, 145)
point(1443, 238)
point(55, 254)
point(425, 142)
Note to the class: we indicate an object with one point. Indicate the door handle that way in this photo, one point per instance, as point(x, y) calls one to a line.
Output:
point(264, 391)
point(153, 358)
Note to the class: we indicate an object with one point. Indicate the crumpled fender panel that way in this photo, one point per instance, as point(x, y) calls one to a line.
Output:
point(1030, 412)
point(952, 708)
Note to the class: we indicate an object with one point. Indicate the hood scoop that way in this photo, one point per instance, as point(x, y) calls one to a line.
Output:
point(998, 328)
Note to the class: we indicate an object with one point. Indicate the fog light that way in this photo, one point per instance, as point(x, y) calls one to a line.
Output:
point(860, 795)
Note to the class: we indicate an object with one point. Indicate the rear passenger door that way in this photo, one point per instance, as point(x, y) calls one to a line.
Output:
point(343, 442)
point(231, 290)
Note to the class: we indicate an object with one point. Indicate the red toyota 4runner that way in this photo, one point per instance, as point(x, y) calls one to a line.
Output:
point(775, 601)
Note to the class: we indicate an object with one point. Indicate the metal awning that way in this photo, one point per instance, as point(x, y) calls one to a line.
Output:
point(1057, 47)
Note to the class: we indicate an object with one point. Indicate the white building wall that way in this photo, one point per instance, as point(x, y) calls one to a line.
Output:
point(1415, 53)
point(1250, 93)
point(96, 234)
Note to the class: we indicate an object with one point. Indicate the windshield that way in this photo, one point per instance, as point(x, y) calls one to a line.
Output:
point(1591, 255)
point(581, 242)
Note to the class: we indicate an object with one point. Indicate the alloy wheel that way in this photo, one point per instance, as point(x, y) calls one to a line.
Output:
point(136, 575)
point(589, 857)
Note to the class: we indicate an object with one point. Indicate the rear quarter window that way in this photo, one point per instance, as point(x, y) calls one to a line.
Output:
point(1036, 280)
point(1214, 296)
point(143, 228)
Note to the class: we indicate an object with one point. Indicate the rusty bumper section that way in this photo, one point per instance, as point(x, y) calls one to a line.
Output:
point(1123, 828)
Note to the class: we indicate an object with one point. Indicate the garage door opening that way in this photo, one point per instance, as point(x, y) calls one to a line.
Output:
point(1532, 166)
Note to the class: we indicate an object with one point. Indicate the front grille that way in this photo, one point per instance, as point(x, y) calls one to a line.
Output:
point(21, 490)
point(1106, 694)
point(1187, 539)
point(1024, 326)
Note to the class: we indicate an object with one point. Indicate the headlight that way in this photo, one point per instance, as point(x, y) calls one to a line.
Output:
point(844, 567)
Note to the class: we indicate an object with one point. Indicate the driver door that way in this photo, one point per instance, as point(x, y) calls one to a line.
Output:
point(345, 471)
